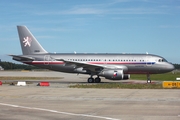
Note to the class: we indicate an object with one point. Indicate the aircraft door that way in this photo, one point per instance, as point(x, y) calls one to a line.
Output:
point(47, 59)
point(148, 61)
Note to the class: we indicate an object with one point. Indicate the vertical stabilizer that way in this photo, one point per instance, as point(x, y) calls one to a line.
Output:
point(29, 44)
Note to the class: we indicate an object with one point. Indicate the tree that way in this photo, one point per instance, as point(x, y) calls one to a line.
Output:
point(12, 66)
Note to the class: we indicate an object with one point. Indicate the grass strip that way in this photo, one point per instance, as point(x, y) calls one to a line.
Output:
point(157, 77)
point(120, 86)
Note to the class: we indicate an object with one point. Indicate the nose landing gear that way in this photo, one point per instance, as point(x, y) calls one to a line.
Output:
point(148, 78)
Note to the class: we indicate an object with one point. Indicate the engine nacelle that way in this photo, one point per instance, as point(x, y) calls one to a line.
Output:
point(115, 75)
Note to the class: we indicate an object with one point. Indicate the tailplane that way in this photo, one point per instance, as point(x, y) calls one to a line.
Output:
point(29, 44)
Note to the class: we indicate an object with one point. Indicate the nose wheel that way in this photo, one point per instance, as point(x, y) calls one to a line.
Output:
point(92, 80)
point(148, 78)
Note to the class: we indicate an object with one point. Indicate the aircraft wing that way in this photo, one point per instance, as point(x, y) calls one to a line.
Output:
point(85, 66)
point(91, 67)
point(22, 58)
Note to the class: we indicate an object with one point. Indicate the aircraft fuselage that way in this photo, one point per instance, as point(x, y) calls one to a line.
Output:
point(134, 63)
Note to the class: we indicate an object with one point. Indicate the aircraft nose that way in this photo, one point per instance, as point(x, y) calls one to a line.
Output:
point(170, 67)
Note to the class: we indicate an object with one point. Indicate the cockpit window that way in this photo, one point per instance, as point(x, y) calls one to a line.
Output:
point(162, 60)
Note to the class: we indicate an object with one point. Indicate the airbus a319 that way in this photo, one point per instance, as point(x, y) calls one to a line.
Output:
point(110, 66)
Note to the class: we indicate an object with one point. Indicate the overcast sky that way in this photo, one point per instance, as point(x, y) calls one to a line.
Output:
point(94, 26)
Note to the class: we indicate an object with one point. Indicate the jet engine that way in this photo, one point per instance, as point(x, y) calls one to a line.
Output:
point(114, 75)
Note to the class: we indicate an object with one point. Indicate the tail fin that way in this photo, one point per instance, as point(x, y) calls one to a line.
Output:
point(29, 44)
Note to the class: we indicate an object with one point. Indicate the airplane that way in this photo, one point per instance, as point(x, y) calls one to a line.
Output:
point(110, 66)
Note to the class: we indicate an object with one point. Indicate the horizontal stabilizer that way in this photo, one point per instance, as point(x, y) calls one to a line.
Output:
point(22, 58)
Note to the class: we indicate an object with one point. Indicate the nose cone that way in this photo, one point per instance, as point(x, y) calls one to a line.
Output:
point(170, 67)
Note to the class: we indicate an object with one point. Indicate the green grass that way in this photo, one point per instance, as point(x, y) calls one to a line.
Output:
point(154, 77)
point(157, 77)
point(119, 86)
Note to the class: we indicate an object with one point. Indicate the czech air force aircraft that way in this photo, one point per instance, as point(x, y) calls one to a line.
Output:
point(110, 66)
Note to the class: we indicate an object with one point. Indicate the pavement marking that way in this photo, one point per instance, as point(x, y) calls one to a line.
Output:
point(59, 112)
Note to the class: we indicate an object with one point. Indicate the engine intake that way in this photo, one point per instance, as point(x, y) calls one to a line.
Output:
point(115, 75)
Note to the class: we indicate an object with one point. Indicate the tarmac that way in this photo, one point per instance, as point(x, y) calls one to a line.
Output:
point(58, 102)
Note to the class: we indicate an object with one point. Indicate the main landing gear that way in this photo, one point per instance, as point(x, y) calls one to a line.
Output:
point(92, 80)
point(148, 78)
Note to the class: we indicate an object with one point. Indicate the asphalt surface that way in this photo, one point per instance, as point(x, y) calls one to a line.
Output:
point(58, 102)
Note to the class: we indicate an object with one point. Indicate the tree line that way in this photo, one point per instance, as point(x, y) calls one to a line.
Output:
point(14, 66)
point(177, 66)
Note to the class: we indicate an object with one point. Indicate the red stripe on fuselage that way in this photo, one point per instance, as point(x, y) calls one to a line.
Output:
point(61, 62)
point(43, 62)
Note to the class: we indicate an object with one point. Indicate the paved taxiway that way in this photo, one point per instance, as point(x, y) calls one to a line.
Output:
point(55, 103)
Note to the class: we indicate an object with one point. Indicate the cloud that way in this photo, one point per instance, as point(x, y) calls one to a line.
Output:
point(113, 7)
point(73, 11)
point(83, 11)
point(137, 10)
point(104, 11)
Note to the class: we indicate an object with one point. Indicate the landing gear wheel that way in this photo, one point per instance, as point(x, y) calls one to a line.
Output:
point(97, 80)
point(90, 80)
